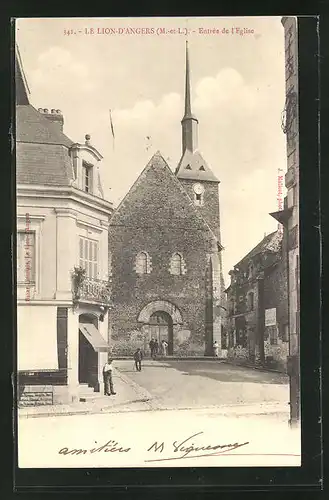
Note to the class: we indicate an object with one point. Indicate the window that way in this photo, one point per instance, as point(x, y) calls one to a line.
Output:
point(26, 257)
point(241, 338)
point(202, 168)
point(88, 256)
point(251, 301)
point(250, 270)
point(198, 199)
point(198, 194)
point(177, 264)
point(87, 177)
point(294, 196)
point(188, 167)
point(285, 336)
point(143, 263)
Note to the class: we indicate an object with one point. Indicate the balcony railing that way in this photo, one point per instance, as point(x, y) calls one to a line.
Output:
point(93, 290)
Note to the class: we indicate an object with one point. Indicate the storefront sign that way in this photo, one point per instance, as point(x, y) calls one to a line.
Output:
point(270, 317)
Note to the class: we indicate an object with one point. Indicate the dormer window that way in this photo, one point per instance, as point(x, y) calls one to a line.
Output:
point(188, 167)
point(87, 179)
point(202, 168)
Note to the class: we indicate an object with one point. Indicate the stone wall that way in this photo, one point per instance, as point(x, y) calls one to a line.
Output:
point(159, 218)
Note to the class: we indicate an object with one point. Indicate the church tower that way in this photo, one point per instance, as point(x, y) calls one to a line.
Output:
point(202, 187)
point(193, 171)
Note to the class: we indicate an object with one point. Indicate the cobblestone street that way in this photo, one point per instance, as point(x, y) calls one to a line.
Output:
point(197, 384)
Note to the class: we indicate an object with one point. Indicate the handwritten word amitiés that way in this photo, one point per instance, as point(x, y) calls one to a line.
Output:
point(110, 446)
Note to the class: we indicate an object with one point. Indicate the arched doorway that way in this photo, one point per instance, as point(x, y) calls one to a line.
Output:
point(161, 328)
point(88, 357)
point(160, 318)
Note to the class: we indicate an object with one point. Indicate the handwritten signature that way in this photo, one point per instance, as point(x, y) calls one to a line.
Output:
point(184, 449)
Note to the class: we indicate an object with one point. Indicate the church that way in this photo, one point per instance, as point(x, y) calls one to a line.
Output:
point(165, 254)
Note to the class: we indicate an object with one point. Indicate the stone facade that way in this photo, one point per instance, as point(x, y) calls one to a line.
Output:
point(159, 219)
point(259, 284)
point(292, 175)
point(291, 128)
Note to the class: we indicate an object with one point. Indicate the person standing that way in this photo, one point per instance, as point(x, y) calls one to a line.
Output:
point(215, 348)
point(164, 346)
point(151, 345)
point(108, 378)
point(156, 348)
point(138, 356)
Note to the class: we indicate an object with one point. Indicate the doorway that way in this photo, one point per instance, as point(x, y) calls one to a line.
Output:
point(161, 328)
point(88, 357)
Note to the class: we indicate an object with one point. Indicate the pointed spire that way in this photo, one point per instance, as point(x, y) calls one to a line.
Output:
point(189, 121)
point(188, 110)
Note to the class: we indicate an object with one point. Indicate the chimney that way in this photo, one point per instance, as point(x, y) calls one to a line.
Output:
point(55, 116)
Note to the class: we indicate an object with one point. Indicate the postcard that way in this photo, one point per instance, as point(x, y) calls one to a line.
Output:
point(157, 263)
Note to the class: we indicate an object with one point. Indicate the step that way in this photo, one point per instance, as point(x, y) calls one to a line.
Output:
point(87, 393)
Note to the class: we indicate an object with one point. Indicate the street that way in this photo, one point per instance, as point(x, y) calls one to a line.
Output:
point(197, 384)
point(167, 408)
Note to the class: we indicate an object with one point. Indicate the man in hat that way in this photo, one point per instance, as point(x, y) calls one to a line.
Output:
point(138, 356)
point(108, 379)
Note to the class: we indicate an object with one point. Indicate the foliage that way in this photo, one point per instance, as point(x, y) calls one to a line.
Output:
point(188, 348)
point(78, 276)
point(276, 355)
point(128, 345)
point(278, 352)
point(238, 352)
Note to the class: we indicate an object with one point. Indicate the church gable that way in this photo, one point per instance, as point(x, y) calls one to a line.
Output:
point(157, 198)
point(192, 166)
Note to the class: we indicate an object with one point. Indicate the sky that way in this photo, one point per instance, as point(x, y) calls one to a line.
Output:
point(238, 94)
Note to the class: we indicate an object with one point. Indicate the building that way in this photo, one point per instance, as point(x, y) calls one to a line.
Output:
point(165, 250)
point(289, 216)
point(257, 304)
point(62, 257)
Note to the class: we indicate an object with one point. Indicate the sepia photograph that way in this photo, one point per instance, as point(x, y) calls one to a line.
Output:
point(157, 242)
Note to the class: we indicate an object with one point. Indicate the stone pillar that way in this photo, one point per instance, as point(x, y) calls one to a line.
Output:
point(102, 356)
point(66, 251)
point(73, 355)
point(260, 326)
point(217, 301)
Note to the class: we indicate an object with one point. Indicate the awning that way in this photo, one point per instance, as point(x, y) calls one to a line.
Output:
point(94, 337)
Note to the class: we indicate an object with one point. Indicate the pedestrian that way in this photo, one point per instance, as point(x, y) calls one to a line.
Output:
point(151, 344)
point(164, 347)
point(108, 379)
point(215, 348)
point(156, 348)
point(138, 356)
